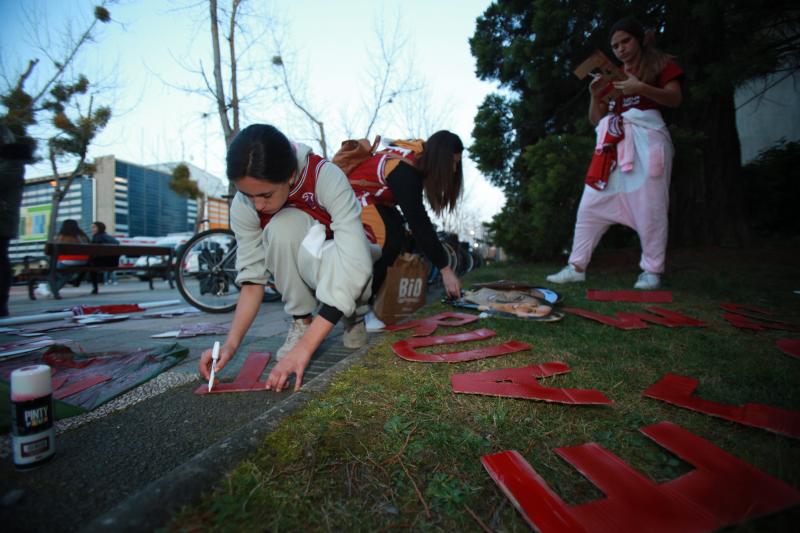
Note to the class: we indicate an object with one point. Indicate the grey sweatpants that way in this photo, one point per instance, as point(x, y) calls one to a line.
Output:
point(297, 270)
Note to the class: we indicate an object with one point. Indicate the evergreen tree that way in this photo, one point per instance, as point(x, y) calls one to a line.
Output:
point(531, 49)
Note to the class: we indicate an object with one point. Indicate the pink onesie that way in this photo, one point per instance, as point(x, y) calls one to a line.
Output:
point(637, 194)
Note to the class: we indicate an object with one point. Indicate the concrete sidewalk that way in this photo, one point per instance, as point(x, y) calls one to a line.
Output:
point(132, 462)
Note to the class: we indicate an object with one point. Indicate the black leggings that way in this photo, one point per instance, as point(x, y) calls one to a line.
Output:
point(394, 245)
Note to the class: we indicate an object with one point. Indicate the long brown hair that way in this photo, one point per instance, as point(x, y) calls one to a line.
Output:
point(442, 183)
point(652, 60)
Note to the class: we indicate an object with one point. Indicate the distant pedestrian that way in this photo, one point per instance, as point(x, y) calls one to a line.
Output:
point(99, 236)
point(13, 157)
point(628, 179)
point(70, 232)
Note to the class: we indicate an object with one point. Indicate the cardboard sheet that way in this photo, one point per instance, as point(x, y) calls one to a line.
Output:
point(521, 383)
point(426, 326)
point(720, 492)
point(194, 330)
point(406, 347)
point(678, 390)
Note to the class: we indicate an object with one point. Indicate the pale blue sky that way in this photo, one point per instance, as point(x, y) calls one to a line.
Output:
point(327, 44)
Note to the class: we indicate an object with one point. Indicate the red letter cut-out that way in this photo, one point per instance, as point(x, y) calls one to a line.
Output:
point(677, 390)
point(636, 320)
point(651, 297)
point(246, 380)
point(426, 326)
point(790, 347)
point(755, 318)
point(521, 383)
point(722, 491)
point(405, 347)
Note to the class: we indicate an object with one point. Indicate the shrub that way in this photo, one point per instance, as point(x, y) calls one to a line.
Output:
point(539, 216)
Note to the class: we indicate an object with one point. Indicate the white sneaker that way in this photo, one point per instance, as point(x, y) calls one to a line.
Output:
point(568, 274)
point(296, 332)
point(42, 290)
point(647, 281)
point(373, 323)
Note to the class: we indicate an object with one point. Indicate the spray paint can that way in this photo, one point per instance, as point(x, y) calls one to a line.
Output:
point(33, 437)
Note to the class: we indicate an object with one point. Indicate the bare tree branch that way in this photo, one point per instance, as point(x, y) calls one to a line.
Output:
point(219, 90)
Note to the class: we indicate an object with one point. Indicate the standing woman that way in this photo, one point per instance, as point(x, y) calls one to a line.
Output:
point(397, 177)
point(295, 217)
point(628, 179)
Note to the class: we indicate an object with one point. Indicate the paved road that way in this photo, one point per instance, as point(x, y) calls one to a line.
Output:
point(160, 437)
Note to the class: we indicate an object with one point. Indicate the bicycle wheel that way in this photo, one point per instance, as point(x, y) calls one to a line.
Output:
point(206, 271)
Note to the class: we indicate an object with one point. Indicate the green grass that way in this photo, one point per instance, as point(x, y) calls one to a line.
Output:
point(390, 446)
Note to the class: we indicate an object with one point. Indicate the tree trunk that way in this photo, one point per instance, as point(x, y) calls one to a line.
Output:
point(706, 196)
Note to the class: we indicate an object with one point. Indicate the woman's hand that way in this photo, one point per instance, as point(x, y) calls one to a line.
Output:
point(630, 85)
point(294, 362)
point(452, 286)
point(596, 86)
point(225, 353)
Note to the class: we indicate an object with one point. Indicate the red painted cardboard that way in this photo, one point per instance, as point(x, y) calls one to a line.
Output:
point(757, 324)
point(406, 347)
point(246, 381)
point(677, 390)
point(720, 492)
point(618, 322)
point(426, 326)
point(521, 383)
point(655, 297)
point(638, 320)
point(789, 347)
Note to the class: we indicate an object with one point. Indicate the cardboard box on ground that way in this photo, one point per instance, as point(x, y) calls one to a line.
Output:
point(403, 290)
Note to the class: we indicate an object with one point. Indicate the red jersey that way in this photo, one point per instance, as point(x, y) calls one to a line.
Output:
point(670, 72)
point(369, 178)
point(303, 196)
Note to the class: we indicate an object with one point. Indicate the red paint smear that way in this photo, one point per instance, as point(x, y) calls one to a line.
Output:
point(722, 491)
point(655, 297)
point(521, 383)
point(248, 378)
point(79, 386)
point(677, 390)
point(426, 326)
point(405, 348)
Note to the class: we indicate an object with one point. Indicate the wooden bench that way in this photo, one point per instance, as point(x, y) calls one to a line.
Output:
point(56, 249)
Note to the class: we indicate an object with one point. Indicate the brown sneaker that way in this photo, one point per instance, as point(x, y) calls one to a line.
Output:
point(355, 335)
point(296, 332)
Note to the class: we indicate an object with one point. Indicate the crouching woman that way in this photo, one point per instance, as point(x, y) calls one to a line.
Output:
point(295, 216)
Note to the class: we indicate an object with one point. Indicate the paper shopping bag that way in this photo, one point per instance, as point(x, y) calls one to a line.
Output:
point(403, 290)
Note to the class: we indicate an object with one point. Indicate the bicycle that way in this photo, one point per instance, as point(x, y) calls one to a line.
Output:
point(205, 271)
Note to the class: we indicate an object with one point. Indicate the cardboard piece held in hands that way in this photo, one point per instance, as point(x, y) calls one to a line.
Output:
point(598, 63)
